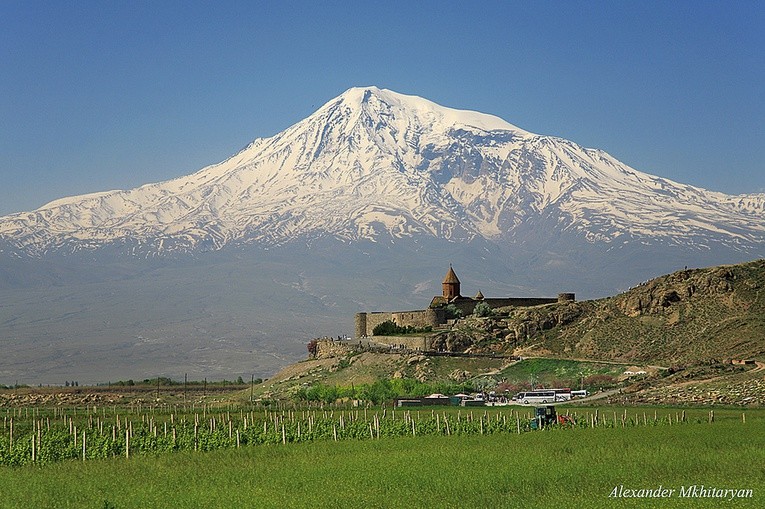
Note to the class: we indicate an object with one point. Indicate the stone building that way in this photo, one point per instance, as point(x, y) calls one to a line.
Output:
point(436, 314)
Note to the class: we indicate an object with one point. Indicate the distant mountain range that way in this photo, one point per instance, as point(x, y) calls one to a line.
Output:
point(361, 205)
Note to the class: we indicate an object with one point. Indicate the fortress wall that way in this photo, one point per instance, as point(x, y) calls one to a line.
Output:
point(420, 318)
point(376, 318)
point(366, 322)
point(408, 342)
point(468, 305)
point(360, 322)
point(521, 302)
point(326, 349)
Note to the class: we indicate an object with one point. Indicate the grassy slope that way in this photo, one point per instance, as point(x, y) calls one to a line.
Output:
point(558, 468)
point(366, 368)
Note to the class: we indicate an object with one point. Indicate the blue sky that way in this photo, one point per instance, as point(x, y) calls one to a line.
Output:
point(111, 95)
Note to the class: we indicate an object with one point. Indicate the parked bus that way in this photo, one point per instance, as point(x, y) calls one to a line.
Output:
point(541, 396)
point(562, 394)
point(580, 394)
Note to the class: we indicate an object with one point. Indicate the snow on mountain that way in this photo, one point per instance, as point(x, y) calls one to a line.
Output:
point(374, 164)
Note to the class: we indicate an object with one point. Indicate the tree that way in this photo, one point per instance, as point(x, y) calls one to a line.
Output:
point(381, 390)
point(313, 347)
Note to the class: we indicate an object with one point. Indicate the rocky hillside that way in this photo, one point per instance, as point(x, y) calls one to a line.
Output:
point(683, 328)
point(686, 317)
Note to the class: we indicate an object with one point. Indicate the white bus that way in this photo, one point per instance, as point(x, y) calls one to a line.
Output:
point(562, 394)
point(543, 396)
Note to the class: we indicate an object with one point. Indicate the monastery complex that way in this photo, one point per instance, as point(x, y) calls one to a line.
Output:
point(436, 315)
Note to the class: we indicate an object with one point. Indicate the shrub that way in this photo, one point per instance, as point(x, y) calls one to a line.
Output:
point(386, 328)
point(453, 312)
point(482, 309)
point(389, 328)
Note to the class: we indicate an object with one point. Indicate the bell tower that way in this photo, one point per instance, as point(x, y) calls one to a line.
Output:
point(451, 285)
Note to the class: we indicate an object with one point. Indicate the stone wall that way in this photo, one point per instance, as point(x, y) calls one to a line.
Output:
point(468, 305)
point(366, 322)
point(407, 342)
point(435, 317)
point(326, 348)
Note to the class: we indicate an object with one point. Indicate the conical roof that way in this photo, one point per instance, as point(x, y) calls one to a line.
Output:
point(451, 277)
point(478, 296)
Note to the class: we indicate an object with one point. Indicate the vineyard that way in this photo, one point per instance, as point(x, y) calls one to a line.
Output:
point(43, 436)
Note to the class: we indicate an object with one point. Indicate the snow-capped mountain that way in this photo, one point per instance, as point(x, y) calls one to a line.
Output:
point(374, 164)
point(361, 206)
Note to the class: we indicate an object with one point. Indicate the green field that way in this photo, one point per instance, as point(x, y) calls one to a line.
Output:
point(565, 467)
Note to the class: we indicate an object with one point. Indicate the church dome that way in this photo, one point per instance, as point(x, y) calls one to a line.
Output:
point(451, 278)
point(451, 285)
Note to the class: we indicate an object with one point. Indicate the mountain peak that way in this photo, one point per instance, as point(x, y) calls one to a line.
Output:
point(372, 99)
point(357, 95)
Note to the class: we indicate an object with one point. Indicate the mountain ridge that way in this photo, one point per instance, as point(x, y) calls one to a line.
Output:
point(374, 164)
